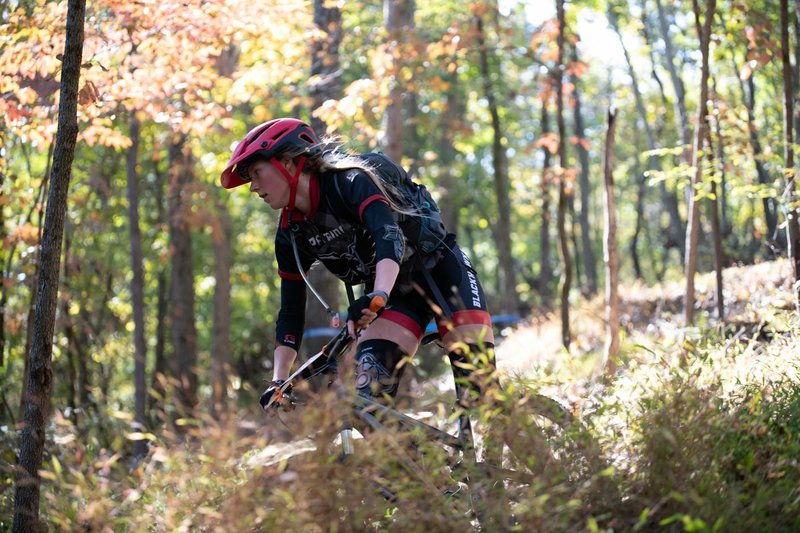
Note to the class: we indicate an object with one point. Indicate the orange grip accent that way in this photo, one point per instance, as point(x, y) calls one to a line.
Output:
point(377, 303)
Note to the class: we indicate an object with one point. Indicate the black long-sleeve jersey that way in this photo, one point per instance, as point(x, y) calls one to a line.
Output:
point(349, 228)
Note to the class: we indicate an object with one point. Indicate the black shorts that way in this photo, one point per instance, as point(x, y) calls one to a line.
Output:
point(457, 282)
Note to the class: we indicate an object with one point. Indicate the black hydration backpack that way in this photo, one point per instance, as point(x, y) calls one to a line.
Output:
point(423, 227)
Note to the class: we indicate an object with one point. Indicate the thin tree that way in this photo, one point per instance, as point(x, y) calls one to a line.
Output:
point(610, 256)
point(155, 406)
point(677, 82)
point(676, 233)
point(792, 224)
point(545, 266)
point(566, 259)
point(221, 235)
point(510, 301)
point(588, 256)
point(399, 22)
point(40, 376)
point(693, 226)
point(184, 331)
point(137, 287)
point(326, 73)
point(748, 90)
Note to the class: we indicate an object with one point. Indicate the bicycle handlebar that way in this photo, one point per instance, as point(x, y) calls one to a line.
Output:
point(331, 352)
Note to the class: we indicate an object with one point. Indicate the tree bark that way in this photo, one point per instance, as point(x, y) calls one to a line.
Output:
point(326, 70)
point(452, 188)
point(610, 253)
point(37, 399)
point(137, 288)
point(159, 373)
point(792, 224)
point(693, 226)
point(748, 89)
point(566, 259)
point(508, 282)
point(675, 233)
point(184, 334)
point(221, 329)
point(716, 233)
point(677, 82)
point(34, 279)
point(641, 193)
point(545, 268)
point(589, 257)
point(3, 250)
point(399, 21)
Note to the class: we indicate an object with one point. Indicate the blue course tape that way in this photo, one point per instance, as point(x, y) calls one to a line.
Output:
point(505, 320)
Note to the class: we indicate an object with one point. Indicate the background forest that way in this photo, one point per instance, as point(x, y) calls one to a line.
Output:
point(168, 292)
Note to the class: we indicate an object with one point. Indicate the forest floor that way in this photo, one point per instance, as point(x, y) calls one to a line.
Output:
point(700, 428)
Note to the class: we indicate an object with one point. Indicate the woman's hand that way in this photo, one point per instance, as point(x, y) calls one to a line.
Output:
point(364, 310)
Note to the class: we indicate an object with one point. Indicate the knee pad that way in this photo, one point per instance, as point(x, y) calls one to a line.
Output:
point(376, 373)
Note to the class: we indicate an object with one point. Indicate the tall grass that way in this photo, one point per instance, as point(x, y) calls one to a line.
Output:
point(700, 431)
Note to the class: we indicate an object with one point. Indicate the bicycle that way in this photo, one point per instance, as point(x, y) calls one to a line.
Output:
point(538, 437)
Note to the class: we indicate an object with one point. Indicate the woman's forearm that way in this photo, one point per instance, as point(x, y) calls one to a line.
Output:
point(284, 357)
point(386, 272)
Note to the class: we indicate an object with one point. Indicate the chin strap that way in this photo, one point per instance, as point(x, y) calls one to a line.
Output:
point(292, 180)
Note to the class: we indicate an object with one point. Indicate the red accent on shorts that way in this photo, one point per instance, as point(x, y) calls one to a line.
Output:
point(365, 203)
point(474, 317)
point(403, 321)
point(293, 276)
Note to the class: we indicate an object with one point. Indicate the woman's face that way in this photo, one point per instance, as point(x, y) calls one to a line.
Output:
point(269, 184)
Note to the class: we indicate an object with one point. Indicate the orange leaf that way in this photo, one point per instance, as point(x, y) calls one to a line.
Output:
point(549, 141)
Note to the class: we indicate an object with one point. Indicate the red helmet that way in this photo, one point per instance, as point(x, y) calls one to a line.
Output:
point(267, 140)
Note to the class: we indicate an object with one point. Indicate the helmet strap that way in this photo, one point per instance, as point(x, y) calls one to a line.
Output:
point(292, 180)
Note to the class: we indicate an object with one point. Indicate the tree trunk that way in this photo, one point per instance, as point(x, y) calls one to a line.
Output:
point(507, 274)
point(641, 192)
point(589, 259)
point(326, 69)
point(610, 253)
point(675, 233)
point(221, 333)
point(725, 226)
point(66, 279)
point(34, 279)
point(160, 371)
point(677, 82)
point(37, 399)
point(451, 118)
point(693, 226)
point(545, 268)
point(566, 259)
point(792, 224)
point(4, 256)
point(137, 289)
point(184, 334)
point(716, 233)
point(399, 21)
point(764, 179)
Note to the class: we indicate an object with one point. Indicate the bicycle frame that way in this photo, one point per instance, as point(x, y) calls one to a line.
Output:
point(365, 408)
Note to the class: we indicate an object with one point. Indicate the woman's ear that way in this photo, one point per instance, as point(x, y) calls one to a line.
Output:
point(290, 165)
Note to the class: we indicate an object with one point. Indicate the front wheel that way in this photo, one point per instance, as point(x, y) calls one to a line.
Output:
point(538, 454)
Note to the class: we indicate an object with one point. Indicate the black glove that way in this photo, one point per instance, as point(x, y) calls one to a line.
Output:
point(268, 394)
point(375, 300)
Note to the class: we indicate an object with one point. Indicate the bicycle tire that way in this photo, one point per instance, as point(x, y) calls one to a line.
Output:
point(546, 450)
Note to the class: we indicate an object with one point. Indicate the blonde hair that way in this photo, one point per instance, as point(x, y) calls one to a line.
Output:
point(328, 155)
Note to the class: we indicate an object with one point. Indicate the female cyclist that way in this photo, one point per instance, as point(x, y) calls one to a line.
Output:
point(338, 208)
